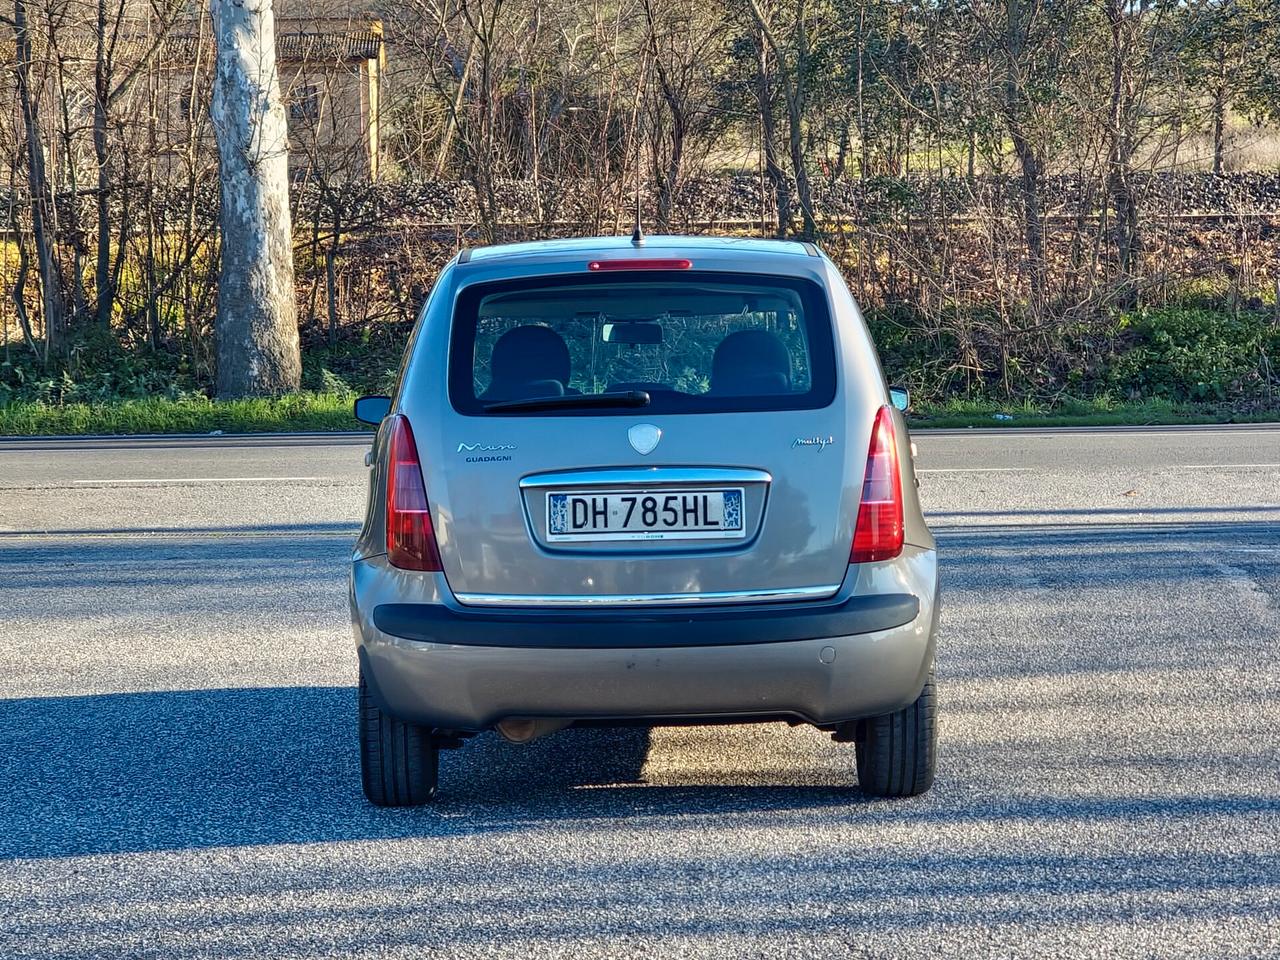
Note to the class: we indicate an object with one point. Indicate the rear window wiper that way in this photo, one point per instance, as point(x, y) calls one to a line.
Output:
point(579, 401)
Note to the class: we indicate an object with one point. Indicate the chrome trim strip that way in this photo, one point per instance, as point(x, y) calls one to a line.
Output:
point(644, 599)
point(645, 475)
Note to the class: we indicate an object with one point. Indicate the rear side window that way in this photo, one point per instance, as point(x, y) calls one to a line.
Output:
point(694, 342)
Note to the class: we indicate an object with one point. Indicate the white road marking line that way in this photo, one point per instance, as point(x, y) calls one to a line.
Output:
point(939, 434)
point(1229, 466)
point(1170, 466)
point(200, 480)
point(978, 470)
point(180, 535)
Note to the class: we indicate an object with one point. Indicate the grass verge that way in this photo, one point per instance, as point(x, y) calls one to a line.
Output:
point(302, 412)
point(324, 412)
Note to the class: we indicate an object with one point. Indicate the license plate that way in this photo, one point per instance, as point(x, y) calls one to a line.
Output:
point(663, 514)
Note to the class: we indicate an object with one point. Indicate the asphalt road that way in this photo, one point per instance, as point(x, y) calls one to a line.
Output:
point(178, 774)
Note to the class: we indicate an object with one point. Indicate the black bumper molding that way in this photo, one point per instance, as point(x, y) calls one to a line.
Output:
point(648, 628)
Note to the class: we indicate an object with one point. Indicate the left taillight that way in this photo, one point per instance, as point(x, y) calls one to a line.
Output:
point(411, 540)
point(879, 532)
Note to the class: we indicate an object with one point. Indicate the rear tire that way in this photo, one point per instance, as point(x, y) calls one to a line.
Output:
point(897, 752)
point(399, 762)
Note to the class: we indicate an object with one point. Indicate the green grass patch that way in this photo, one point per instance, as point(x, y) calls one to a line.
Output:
point(327, 412)
point(302, 412)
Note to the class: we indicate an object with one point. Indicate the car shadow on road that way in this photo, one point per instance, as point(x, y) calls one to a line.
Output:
point(122, 773)
point(137, 772)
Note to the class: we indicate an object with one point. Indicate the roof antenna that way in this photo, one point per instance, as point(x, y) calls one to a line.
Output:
point(637, 235)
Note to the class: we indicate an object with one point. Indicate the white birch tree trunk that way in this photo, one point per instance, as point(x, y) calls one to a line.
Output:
point(257, 326)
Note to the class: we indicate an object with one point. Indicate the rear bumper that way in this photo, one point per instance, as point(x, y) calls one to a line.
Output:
point(612, 630)
point(864, 653)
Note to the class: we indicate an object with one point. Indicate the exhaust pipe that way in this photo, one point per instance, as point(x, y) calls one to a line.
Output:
point(528, 729)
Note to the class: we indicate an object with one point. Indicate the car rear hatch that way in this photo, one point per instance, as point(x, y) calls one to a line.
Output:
point(650, 435)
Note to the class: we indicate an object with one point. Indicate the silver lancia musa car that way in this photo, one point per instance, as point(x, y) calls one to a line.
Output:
point(642, 482)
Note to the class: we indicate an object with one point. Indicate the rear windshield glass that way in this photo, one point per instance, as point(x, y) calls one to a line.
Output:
point(693, 342)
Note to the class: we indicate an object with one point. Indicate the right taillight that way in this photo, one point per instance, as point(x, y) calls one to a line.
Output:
point(411, 541)
point(878, 533)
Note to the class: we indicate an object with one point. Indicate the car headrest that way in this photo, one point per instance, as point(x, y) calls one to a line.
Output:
point(528, 353)
point(751, 362)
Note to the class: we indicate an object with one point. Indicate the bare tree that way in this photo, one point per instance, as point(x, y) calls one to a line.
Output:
point(1141, 47)
point(1028, 44)
point(765, 98)
point(682, 48)
point(257, 327)
point(38, 183)
point(793, 65)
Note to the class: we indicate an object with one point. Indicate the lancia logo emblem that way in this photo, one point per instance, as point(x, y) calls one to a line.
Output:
point(644, 437)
